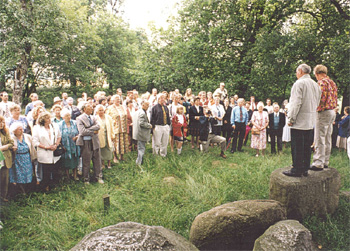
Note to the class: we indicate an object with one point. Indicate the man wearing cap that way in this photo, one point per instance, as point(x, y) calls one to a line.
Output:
point(57, 101)
point(221, 92)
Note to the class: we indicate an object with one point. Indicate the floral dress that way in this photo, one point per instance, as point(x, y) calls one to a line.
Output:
point(22, 170)
point(72, 154)
point(259, 141)
point(119, 117)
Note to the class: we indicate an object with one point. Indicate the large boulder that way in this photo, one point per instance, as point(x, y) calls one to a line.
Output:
point(287, 235)
point(235, 225)
point(316, 194)
point(134, 236)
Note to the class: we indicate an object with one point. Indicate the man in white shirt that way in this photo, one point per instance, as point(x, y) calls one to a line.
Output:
point(5, 105)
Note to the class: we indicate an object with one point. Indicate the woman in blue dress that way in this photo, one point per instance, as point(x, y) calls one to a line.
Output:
point(16, 117)
point(21, 172)
point(69, 132)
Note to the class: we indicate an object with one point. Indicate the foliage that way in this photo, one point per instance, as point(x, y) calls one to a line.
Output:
point(59, 219)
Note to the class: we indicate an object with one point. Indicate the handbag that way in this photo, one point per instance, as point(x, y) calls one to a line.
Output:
point(60, 150)
point(255, 131)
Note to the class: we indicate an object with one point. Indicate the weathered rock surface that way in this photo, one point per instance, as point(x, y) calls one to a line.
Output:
point(287, 235)
point(235, 225)
point(345, 195)
point(316, 194)
point(134, 236)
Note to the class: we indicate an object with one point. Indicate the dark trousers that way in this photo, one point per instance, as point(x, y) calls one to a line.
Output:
point(50, 174)
point(239, 132)
point(4, 182)
point(88, 154)
point(301, 141)
point(273, 135)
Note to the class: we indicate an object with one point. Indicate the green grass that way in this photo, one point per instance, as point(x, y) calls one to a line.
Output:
point(59, 219)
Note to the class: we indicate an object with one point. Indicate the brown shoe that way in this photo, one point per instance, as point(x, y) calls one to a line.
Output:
point(223, 155)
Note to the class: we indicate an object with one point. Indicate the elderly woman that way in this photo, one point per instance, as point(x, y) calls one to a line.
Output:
point(188, 95)
point(260, 120)
point(119, 116)
point(16, 117)
point(105, 134)
point(56, 109)
point(46, 137)
point(35, 114)
point(6, 145)
point(21, 172)
point(69, 135)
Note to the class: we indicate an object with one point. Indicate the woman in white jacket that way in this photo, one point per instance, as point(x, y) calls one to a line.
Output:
point(46, 137)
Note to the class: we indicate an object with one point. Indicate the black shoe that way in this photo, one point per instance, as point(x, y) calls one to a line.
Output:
point(232, 151)
point(314, 168)
point(325, 166)
point(293, 174)
point(240, 151)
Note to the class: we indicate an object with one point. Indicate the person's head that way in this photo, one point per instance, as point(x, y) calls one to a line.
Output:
point(222, 85)
point(17, 129)
point(38, 103)
point(56, 100)
point(116, 99)
point(87, 109)
point(209, 95)
point(268, 102)
point(161, 99)
point(180, 110)
point(37, 111)
point(188, 92)
point(64, 95)
point(57, 110)
point(247, 105)
point(302, 70)
point(102, 101)
point(100, 110)
point(235, 97)
point(119, 92)
point(347, 110)
point(154, 91)
point(217, 100)
point(196, 101)
point(226, 102)
point(34, 97)
point(66, 115)
point(252, 98)
point(176, 98)
point(129, 104)
point(70, 101)
point(240, 102)
point(4, 96)
point(336, 110)
point(260, 106)
point(136, 94)
point(177, 91)
point(15, 110)
point(320, 71)
point(276, 107)
point(3, 128)
point(145, 105)
point(44, 119)
point(131, 95)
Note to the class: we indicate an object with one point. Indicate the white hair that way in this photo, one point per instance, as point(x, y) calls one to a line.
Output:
point(260, 104)
point(304, 68)
point(114, 97)
point(98, 107)
point(15, 126)
point(64, 112)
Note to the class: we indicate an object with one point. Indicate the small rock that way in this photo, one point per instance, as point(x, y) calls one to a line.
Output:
point(170, 180)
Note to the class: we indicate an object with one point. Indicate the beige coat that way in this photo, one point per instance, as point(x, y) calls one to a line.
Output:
point(109, 128)
point(29, 140)
point(7, 140)
point(304, 99)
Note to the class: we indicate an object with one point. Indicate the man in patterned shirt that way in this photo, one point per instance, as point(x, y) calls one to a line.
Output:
point(325, 118)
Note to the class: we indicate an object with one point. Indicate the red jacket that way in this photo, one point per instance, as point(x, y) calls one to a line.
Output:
point(177, 127)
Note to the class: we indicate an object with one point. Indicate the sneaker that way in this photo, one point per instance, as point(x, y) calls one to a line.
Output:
point(101, 181)
point(87, 183)
point(109, 167)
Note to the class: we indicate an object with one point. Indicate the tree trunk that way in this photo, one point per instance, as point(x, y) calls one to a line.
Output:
point(20, 77)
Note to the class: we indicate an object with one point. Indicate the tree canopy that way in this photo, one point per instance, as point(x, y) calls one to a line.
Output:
point(254, 46)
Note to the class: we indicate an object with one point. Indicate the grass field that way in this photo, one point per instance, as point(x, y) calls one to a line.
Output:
point(59, 219)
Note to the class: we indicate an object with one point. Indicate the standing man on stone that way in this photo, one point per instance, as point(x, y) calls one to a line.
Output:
point(325, 118)
point(160, 121)
point(239, 120)
point(141, 130)
point(277, 121)
point(304, 99)
point(90, 145)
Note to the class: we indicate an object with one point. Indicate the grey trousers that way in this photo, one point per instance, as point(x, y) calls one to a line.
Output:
point(161, 139)
point(323, 138)
point(88, 154)
point(212, 138)
point(141, 148)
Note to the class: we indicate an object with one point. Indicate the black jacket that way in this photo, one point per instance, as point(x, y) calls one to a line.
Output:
point(281, 123)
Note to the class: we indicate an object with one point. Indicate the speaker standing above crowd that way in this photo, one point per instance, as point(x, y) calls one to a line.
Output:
point(102, 129)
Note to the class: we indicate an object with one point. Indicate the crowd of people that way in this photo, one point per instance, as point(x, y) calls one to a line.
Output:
point(43, 145)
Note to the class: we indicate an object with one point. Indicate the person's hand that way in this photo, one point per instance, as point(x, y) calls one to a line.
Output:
point(196, 117)
point(96, 132)
point(290, 124)
point(225, 122)
point(75, 138)
point(234, 127)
